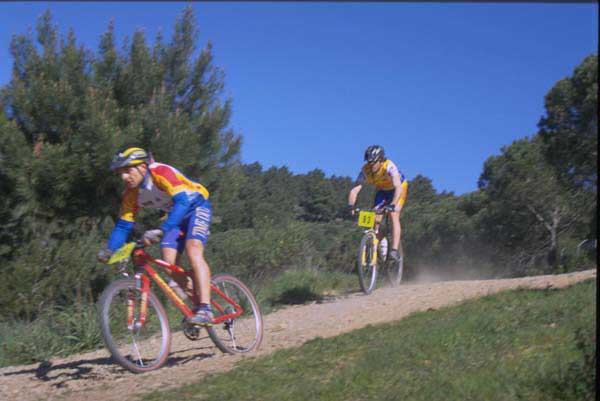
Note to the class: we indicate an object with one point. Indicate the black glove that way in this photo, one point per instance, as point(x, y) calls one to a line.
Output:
point(153, 235)
point(104, 255)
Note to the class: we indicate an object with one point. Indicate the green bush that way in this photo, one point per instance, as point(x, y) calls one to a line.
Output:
point(301, 286)
point(57, 332)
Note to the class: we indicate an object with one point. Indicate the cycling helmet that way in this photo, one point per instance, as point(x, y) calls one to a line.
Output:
point(374, 153)
point(129, 157)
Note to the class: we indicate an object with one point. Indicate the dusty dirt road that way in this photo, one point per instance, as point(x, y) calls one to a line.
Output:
point(93, 376)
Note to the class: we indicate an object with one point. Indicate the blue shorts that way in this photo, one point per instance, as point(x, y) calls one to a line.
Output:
point(195, 225)
point(383, 198)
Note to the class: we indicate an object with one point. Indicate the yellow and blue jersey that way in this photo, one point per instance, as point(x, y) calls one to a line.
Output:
point(382, 178)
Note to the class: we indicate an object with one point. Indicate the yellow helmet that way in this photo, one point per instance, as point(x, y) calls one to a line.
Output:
point(129, 157)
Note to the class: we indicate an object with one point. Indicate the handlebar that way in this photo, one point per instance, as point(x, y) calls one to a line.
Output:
point(377, 210)
point(374, 210)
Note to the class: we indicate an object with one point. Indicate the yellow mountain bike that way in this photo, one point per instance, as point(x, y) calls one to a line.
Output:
point(372, 254)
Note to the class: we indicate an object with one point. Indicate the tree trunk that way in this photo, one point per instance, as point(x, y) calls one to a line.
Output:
point(553, 259)
point(552, 227)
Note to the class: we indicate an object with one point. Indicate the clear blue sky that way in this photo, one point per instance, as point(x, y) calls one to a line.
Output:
point(441, 86)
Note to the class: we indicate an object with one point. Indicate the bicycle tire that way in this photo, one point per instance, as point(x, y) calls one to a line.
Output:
point(396, 270)
point(135, 349)
point(244, 333)
point(367, 273)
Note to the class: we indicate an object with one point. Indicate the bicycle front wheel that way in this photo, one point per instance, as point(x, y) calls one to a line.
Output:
point(135, 346)
point(240, 334)
point(367, 269)
point(396, 269)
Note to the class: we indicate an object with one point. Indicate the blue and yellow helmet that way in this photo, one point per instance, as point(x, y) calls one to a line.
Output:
point(129, 157)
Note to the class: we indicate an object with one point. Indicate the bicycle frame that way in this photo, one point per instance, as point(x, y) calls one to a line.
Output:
point(382, 229)
point(377, 211)
point(144, 273)
point(383, 226)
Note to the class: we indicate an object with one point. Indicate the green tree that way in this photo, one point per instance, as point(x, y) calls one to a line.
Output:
point(421, 190)
point(320, 199)
point(527, 207)
point(65, 112)
point(570, 128)
point(13, 149)
point(570, 134)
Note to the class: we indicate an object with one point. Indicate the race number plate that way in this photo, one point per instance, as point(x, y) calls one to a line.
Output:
point(122, 253)
point(366, 219)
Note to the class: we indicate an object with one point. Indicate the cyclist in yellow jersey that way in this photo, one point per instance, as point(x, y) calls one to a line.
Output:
point(391, 188)
point(160, 186)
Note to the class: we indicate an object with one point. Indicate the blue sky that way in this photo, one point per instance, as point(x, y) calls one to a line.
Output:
point(441, 86)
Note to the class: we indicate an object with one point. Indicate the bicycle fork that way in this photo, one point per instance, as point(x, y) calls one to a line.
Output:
point(371, 252)
point(142, 283)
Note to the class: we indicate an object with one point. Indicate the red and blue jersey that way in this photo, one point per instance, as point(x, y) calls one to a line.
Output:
point(164, 188)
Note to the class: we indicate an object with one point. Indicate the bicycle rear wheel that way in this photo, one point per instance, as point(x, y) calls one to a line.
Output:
point(243, 333)
point(367, 270)
point(138, 348)
point(395, 270)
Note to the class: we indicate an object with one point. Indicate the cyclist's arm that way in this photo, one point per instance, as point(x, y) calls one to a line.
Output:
point(181, 205)
point(124, 225)
point(398, 188)
point(360, 180)
point(354, 194)
point(119, 234)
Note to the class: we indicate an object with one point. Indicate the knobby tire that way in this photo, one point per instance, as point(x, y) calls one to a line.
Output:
point(138, 350)
point(244, 333)
point(367, 274)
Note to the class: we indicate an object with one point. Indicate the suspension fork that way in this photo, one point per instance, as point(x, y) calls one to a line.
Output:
point(374, 249)
point(372, 260)
point(142, 283)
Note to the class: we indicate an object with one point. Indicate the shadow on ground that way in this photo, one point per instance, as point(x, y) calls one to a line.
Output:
point(60, 374)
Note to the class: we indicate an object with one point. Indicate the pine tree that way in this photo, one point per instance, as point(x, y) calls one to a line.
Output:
point(66, 112)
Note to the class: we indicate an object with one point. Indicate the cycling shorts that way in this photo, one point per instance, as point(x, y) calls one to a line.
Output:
point(195, 225)
point(383, 197)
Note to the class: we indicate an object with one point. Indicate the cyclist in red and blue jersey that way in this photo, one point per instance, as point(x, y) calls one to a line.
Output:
point(391, 188)
point(160, 186)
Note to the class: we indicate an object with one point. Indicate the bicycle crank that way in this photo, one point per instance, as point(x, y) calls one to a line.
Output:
point(191, 331)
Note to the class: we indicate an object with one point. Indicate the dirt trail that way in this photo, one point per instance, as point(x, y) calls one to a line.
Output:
point(93, 376)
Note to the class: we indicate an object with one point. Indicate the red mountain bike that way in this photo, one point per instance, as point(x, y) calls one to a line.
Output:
point(134, 324)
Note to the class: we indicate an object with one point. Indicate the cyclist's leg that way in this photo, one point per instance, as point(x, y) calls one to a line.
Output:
point(195, 240)
point(172, 247)
point(172, 244)
point(379, 200)
point(195, 252)
point(396, 229)
point(395, 218)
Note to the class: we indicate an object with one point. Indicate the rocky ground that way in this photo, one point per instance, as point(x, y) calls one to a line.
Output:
point(93, 376)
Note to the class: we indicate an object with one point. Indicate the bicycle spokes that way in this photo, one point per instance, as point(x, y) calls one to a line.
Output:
point(238, 315)
point(367, 262)
point(134, 326)
point(229, 327)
